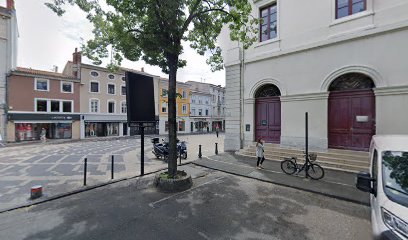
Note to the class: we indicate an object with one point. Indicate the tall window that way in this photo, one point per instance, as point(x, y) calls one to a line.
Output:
point(41, 84)
point(184, 94)
point(193, 112)
point(67, 106)
point(67, 87)
point(124, 107)
point(269, 25)
point(200, 112)
point(349, 7)
point(206, 112)
point(111, 88)
point(164, 107)
point(41, 105)
point(94, 87)
point(123, 90)
point(94, 105)
point(55, 106)
point(111, 107)
point(184, 109)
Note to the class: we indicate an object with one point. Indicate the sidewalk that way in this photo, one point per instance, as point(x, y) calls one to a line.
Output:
point(336, 184)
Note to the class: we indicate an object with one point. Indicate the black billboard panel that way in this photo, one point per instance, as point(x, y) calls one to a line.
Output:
point(139, 99)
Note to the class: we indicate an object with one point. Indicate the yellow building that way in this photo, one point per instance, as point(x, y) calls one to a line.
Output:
point(183, 106)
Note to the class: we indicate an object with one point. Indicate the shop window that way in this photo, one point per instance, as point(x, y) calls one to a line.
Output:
point(182, 126)
point(123, 90)
point(94, 105)
point(41, 105)
point(94, 87)
point(66, 106)
point(41, 84)
point(55, 106)
point(269, 23)
point(111, 88)
point(111, 107)
point(184, 109)
point(349, 7)
point(112, 129)
point(66, 87)
point(124, 107)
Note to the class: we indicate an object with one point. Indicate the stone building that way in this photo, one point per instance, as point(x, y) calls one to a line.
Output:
point(343, 62)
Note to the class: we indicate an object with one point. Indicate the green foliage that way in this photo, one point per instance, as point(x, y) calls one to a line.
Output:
point(153, 30)
point(399, 168)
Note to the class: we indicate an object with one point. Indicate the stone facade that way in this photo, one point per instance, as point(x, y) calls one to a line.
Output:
point(309, 52)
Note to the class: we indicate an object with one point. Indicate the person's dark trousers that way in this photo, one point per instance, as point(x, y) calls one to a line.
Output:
point(217, 133)
point(260, 161)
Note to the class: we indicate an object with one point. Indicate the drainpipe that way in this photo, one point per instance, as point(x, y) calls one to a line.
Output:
point(241, 88)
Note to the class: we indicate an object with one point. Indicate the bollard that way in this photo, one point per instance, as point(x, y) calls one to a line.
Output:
point(180, 157)
point(36, 191)
point(112, 171)
point(216, 148)
point(199, 151)
point(85, 169)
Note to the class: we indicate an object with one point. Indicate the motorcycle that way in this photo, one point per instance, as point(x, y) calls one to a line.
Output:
point(161, 150)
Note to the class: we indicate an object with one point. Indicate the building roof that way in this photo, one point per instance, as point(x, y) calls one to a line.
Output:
point(391, 142)
point(201, 83)
point(40, 73)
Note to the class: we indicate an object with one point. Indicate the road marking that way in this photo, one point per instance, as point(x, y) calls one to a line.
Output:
point(188, 190)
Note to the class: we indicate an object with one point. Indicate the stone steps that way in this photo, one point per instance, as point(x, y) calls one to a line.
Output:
point(344, 160)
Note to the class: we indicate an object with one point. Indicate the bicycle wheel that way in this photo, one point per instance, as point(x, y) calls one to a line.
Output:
point(315, 171)
point(288, 167)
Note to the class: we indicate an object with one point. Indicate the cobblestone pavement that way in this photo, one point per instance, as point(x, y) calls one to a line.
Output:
point(59, 167)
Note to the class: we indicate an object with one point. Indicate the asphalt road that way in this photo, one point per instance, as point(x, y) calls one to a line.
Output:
point(219, 206)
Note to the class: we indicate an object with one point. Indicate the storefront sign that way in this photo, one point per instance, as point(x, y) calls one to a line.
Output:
point(36, 117)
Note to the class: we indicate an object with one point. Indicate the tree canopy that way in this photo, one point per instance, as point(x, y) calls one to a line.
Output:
point(153, 30)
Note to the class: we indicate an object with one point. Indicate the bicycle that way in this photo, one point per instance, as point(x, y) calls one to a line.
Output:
point(313, 170)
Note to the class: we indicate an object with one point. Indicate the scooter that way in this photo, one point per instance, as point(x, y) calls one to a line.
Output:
point(161, 150)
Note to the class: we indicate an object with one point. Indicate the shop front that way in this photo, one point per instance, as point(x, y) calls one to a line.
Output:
point(28, 127)
point(102, 125)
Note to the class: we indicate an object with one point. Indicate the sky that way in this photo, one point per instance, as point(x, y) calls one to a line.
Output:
point(46, 40)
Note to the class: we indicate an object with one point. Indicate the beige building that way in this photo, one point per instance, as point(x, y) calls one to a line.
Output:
point(103, 99)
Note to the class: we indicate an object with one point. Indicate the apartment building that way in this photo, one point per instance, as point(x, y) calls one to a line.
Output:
point(207, 107)
point(182, 106)
point(8, 57)
point(41, 99)
point(342, 61)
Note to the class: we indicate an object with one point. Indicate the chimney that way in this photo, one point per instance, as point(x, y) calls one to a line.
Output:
point(142, 69)
point(76, 63)
point(55, 68)
point(77, 57)
point(10, 4)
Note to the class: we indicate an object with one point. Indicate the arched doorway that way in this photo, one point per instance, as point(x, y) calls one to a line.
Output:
point(351, 113)
point(268, 113)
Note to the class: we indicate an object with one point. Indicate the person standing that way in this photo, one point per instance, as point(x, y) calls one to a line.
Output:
point(217, 130)
point(43, 135)
point(260, 153)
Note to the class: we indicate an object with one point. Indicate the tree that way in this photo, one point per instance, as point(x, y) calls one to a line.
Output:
point(153, 30)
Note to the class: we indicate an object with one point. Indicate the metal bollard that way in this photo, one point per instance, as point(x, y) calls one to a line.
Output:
point(85, 169)
point(112, 170)
point(199, 151)
point(36, 192)
point(216, 148)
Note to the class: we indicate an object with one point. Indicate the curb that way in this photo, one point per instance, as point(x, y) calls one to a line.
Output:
point(288, 185)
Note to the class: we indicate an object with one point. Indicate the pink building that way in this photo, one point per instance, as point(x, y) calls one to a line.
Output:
point(40, 99)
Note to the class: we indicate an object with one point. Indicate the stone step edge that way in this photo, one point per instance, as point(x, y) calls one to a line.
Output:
point(321, 163)
point(301, 152)
point(330, 150)
point(319, 158)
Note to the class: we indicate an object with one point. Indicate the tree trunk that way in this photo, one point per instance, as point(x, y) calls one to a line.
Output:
point(172, 161)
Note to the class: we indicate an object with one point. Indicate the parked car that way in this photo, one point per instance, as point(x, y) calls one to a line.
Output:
point(387, 183)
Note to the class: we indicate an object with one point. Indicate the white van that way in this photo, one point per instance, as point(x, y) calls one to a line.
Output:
point(387, 184)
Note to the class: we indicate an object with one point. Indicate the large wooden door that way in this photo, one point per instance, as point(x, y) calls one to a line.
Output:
point(268, 119)
point(351, 119)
